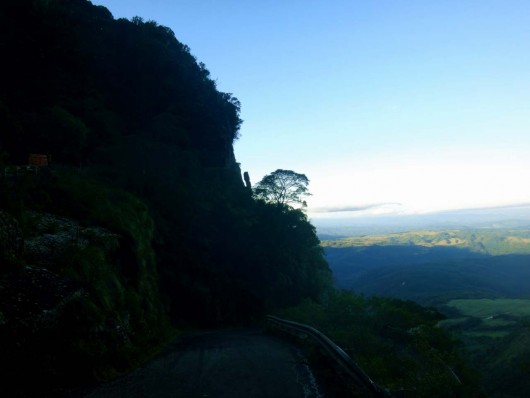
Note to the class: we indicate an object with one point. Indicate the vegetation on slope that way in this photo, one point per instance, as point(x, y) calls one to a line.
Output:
point(397, 343)
point(471, 276)
point(496, 333)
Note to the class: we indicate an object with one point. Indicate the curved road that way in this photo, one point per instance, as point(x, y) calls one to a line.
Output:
point(239, 363)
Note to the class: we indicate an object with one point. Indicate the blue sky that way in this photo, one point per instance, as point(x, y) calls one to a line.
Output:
point(396, 106)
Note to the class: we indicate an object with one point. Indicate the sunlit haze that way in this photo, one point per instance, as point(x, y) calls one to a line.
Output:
point(389, 107)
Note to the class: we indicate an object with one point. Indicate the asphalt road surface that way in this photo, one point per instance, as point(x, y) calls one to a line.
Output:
point(239, 363)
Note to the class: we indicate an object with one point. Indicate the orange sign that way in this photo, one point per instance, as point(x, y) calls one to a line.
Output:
point(38, 160)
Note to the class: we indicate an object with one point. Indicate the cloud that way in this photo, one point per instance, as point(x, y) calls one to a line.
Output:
point(524, 206)
point(341, 209)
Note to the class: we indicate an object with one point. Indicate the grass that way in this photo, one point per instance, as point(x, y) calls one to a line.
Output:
point(483, 308)
point(497, 322)
point(421, 238)
point(518, 240)
point(447, 323)
point(494, 318)
point(492, 334)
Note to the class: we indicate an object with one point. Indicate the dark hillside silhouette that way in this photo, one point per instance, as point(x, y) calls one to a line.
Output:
point(141, 219)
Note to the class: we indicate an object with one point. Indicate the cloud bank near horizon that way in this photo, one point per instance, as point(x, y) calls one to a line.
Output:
point(356, 208)
point(397, 209)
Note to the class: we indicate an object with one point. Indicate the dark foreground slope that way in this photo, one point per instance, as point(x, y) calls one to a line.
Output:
point(141, 219)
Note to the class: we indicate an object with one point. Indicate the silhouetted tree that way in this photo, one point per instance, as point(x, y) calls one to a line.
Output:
point(284, 187)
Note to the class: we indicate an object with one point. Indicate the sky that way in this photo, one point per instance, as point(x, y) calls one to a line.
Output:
point(388, 106)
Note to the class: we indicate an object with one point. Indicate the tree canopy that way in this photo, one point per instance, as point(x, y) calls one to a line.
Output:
point(284, 187)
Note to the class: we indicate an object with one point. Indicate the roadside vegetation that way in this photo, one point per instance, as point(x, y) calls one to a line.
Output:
point(397, 343)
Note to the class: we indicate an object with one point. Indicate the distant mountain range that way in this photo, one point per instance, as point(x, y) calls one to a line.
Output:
point(516, 216)
point(434, 265)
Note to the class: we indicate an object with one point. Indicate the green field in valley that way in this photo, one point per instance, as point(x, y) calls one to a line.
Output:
point(488, 308)
point(496, 337)
point(491, 318)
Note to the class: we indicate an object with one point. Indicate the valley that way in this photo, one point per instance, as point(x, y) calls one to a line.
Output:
point(477, 277)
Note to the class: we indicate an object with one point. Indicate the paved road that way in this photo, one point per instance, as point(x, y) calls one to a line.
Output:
point(230, 363)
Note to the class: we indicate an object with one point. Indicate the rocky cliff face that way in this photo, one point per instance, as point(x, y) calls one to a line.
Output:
point(11, 241)
point(141, 151)
point(68, 314)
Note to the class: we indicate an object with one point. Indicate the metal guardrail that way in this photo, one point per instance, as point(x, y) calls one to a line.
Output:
point(13, 171)
point(334, 352)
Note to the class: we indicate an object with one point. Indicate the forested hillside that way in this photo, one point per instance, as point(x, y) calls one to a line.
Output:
point(490, 241)
point(433, 266)
point(140, 221)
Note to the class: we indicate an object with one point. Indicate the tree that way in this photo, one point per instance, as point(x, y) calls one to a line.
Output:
point(283, 187)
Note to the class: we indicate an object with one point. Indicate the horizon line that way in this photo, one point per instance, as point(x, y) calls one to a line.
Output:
point(355, 210)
